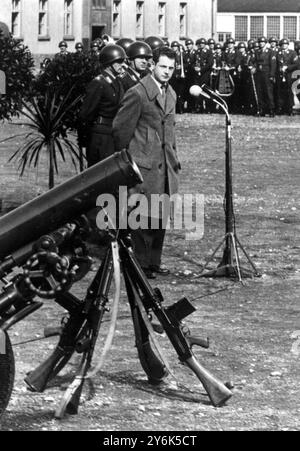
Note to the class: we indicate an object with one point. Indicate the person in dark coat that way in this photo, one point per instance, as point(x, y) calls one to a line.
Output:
point(286, 58)
point(264, 62)
point(144, 125)
point(101, 103)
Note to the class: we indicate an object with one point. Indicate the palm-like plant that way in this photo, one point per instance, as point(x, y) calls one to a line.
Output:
point(46, 119)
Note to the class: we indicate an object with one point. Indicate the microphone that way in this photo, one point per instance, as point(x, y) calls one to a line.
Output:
point(196, 91)
point(208, 93)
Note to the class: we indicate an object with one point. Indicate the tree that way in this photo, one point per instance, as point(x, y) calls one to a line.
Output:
point(46, 118)
point(17, 64)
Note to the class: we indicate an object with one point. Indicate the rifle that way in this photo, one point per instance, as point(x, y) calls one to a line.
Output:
point(254, 91)
point(43, 253)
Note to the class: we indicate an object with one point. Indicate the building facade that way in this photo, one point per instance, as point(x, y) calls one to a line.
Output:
point(43, 23)
point(245, 19)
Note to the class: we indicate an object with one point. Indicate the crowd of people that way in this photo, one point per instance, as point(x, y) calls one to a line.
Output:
point(254, 77)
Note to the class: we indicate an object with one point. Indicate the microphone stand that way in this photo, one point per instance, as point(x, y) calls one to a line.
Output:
point(230, 263)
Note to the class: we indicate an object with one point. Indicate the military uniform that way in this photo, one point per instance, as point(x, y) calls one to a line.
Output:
point(242, 82)
point(130, 78)
point(285, 63)
point(98, 110)
point(189, 58)
point(178, 78)
point(265, 65)
point(202, 70)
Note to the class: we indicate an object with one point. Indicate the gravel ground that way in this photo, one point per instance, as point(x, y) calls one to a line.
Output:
point(254, 326)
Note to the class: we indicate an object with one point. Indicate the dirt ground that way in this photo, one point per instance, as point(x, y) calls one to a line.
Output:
point(254, 326)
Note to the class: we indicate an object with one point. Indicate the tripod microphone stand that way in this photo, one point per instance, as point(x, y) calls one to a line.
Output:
point(230, 262)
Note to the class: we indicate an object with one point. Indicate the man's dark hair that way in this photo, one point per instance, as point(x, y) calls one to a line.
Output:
point(163, 51)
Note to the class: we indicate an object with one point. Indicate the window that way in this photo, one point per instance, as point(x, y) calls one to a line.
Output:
point(161, 18)
point(256, 26)
point(182, 20)
point(16, 18)
point(139, 19)
point(290, 27)
point(99, 4)
point(273, 26)
point(241, 28)
point(116, 23)
point(68, 18)
point(223, 36)
point(43, 17)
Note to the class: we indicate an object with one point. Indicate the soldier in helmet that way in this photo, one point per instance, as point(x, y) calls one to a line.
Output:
point(101, 103)
point(178, 78)
point(138, 56)
point(189, 59)
point(264, 67)
point(202, 69)
point(273, 43)
point(63, 51)
point(211, 44)
point(124, 43)
point(79, 48)
point(241, 79)
point(155, 43)
point(286, 58)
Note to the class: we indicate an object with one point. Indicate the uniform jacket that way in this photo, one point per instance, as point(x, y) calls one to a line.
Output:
point(103, 96)
point(146, 128)
point(265, 61)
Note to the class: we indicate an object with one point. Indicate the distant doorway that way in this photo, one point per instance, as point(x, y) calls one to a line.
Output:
point(97, 31)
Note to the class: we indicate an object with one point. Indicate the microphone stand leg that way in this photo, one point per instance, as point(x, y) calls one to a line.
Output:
point(230, 267)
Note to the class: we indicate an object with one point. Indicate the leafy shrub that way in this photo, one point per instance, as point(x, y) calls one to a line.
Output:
point(17, 64)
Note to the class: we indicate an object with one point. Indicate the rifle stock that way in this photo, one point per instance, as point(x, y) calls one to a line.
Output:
point(38, 379)
point(217, 391)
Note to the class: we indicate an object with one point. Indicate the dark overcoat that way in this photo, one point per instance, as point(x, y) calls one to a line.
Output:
point(146, 127)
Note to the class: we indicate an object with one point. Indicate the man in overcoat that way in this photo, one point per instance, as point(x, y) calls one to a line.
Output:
point(145, 125)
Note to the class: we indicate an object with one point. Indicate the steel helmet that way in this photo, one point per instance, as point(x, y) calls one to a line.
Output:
point(154, 42)
point(211, 41)
point(79, 45)
point(189, 41)
point(262, 39)
point(139, 49)
point(175, 44)
point(63, 44)
point(124, 43)
point(218, 46)
point(201, 41)
point(241, 45)
point(230, 41)
point(273, 39)
point(284, 41)
point(111, 53)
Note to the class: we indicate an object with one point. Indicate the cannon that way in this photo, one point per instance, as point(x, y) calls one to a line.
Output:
point(43, 250)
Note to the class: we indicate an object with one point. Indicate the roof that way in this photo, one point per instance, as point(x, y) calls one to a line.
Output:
point(258, 6)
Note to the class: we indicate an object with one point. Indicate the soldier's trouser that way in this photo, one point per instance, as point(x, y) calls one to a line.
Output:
point(100, 144)
point(285, 99)
point(265, 91)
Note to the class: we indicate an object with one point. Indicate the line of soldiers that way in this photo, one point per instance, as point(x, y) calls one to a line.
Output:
point(253, 77)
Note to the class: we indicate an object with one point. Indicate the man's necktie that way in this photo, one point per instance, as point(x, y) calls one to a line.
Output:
point(163, 93)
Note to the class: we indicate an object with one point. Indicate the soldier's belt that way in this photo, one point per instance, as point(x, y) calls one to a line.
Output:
point(103, 121)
